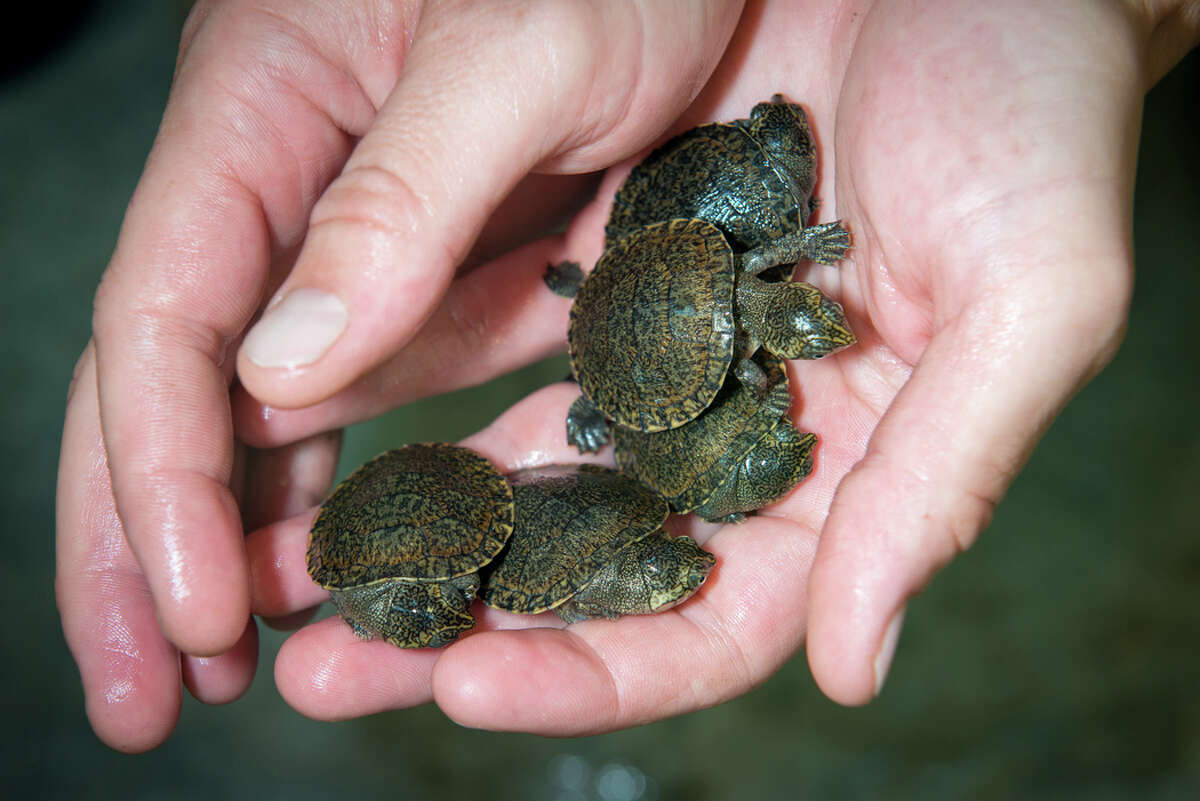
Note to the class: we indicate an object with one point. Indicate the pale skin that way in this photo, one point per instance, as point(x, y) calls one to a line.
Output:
point(983, 158)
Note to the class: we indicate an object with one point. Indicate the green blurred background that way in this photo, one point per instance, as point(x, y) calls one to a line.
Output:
point(1057, 659)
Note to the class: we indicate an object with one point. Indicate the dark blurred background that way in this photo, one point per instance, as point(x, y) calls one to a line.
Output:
point(1057, 659)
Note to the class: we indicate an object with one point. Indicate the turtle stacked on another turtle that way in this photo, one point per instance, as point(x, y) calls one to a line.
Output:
point(676, 304)
point(664, 316)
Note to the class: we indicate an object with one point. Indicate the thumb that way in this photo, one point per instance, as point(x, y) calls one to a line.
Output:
point(487, 94)
point(942, 456)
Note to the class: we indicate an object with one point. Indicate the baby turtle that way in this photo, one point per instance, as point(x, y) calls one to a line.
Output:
point(657, 324)
point(752, 178)
point(741, 454)
point(587, 543)
point(398, 544)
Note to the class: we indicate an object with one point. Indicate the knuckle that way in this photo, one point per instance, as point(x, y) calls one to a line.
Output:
point(376, 200)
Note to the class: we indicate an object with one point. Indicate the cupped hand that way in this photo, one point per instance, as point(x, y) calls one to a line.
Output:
point(984, 162)
point(336, 162)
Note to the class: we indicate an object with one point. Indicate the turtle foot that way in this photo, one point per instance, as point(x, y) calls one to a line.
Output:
point(826, 243)
point(563, 278)
point(587, 428)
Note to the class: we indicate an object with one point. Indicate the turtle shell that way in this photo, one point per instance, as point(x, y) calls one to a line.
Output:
point(753, 178)
point(652, 330)
point(740, 455)
point(571, 521)
point(427, 512)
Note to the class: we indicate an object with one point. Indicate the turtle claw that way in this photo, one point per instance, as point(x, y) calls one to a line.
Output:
point(587, 441)
point(587, 428)
point(826, 243)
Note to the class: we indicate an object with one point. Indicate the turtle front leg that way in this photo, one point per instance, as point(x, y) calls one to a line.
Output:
point(587, 427)
point(826, 243)
point(564, 278)
point(734, 518)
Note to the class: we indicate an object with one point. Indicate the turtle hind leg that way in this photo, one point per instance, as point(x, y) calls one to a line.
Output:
point(587, 427)
point(752, 377)
point(563, 278)
point(577, 611)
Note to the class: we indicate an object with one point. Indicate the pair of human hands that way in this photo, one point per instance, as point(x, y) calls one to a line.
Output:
point(346, 159)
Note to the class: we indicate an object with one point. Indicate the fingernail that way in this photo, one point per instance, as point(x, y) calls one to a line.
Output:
point(887, 649)
point(297, 330)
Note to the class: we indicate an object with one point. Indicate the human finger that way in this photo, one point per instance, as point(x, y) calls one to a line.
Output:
point(223, 678)
point(266, 103)
point(492, 320)
point(324, 672)
point(284, 481)
point(1003, 290)
point(550, 86)
point(602, 675)
point(280, 483)
point(281, 585)
point(129, 671)
point(937, 464)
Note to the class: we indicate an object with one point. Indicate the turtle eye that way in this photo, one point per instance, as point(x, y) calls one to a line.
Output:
point(650, 565)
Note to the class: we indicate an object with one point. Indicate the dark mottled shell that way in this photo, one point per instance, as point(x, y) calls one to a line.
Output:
point(652, 332)
point(688, 465)
point(571, 520)
point(731, 174)
point(424, 512)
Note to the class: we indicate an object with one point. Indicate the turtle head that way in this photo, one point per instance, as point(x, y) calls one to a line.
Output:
point(781, 129)
point(672, 569)
point(794, 320)
point(650, 575)
point(409, 614)
point(779, 460)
